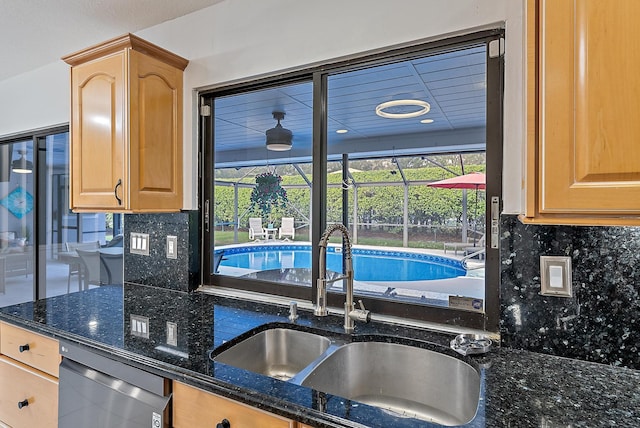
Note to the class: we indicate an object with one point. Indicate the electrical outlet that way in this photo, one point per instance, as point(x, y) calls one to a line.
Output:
point(139, 326)
point(139, 243)
point(172, 333)
point(172, 247)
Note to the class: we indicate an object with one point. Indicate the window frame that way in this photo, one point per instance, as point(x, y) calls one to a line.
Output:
point(489, 320)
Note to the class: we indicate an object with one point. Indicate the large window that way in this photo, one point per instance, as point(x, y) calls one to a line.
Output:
point(367, 144)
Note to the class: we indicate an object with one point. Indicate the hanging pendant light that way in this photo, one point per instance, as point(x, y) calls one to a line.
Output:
point(22, 165)
point(279, 138)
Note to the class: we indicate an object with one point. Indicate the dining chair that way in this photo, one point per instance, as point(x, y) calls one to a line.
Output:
point(90, 267)
point(114, 268)
point(75, 267)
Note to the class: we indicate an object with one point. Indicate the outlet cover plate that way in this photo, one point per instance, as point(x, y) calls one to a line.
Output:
point(555, 276)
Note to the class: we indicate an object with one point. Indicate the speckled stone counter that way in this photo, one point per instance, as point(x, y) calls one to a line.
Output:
point(518, 388)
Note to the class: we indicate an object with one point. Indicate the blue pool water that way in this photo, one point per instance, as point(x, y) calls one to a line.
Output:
point(368, 265)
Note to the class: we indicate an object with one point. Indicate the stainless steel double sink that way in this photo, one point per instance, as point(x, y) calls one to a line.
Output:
point(405, 380)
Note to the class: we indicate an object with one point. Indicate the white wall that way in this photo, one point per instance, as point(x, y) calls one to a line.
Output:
point(238, 39)
point(37, 99)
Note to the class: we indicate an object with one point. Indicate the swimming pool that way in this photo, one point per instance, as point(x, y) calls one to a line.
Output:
point(368, 264)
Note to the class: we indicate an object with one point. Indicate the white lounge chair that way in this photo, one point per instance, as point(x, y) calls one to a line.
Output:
point(287, 228)
point(256, 231)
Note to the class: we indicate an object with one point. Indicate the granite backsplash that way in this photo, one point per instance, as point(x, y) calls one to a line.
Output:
point(181, 273)
point(600, 323)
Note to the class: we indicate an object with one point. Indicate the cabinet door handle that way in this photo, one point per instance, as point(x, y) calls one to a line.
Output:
point(115, 191)
point(224, 424)
point(23, 403)
point(23, 348)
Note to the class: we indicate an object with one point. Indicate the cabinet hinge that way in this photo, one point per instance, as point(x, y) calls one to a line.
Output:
point(205, 110)
point(496, 48)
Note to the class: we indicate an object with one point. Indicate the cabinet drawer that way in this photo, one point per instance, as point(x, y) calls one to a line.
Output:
point(39, 389)
point(42, 352)
point(193, 408)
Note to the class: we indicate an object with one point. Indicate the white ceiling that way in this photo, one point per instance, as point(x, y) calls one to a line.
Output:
point(34, 33)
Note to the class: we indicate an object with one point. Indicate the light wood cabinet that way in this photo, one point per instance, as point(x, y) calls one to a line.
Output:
point(583, 161)
point(193, 408)
point(30, 348)
point(126, 127)
point(28, 397)
point(29, 378)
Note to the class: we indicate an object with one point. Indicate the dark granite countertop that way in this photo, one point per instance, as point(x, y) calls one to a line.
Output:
point(518, 388)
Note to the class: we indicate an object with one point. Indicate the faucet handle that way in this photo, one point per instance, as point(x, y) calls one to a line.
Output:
point(293, 311)
point(361, 314)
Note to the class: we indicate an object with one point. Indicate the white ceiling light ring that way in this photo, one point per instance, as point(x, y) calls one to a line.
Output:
point(424, 108)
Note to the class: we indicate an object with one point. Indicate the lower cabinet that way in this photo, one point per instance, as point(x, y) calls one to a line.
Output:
point(28, 397)
point(194, 408)
point(28, 378)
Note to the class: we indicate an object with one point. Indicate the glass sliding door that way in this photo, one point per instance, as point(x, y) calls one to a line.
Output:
point(39, 234)
point(60, 231)
point(17, 219)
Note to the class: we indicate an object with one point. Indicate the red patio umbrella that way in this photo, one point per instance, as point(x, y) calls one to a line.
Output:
point(473, 180)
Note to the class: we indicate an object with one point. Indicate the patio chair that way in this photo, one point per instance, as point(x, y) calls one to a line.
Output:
point(256, 230)
point(287, 228)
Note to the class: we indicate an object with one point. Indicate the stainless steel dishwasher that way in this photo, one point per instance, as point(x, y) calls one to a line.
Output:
point(98, 392)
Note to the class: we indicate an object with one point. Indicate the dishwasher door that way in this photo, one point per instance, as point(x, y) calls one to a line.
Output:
point(92, 398)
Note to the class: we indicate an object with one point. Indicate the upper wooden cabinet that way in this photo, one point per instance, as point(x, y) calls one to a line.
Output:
point(126, 127)
point(583, 156)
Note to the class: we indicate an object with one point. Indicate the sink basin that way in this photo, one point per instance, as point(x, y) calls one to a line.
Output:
point(404, 380)
point(278, 352)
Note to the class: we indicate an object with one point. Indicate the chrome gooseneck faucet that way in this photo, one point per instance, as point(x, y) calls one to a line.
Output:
point(350, 313)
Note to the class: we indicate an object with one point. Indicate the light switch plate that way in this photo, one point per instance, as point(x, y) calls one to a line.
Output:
point(172, 247)
point(140, 326)
point(139, 243)
point(172, 333)
point(555, 276)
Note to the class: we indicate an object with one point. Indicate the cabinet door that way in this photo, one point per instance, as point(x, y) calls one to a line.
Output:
point(589, 107)
point(155, 138)
point(193, 408)
point(98, 134)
